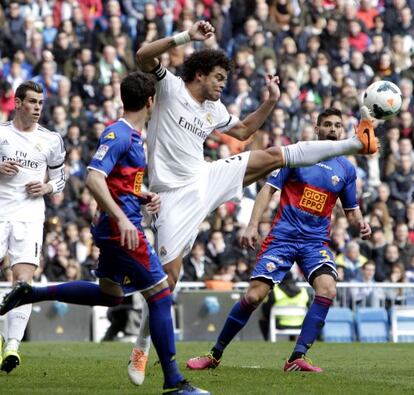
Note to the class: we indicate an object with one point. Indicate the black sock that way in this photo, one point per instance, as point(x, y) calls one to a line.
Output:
point(216, 353)
point(296, 355)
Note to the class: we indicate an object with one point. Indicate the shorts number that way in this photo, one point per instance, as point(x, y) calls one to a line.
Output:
point(233, 158)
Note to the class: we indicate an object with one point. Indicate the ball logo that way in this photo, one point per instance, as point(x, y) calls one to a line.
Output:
point(313, 200)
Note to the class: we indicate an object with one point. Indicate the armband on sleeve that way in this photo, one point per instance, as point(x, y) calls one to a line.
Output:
point(57, 178)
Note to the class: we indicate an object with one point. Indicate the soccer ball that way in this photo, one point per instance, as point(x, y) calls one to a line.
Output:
point(383, 99)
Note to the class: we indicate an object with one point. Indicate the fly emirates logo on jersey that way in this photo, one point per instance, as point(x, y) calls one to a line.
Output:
point(313, 200)
point(194, 127)
point(21, 158)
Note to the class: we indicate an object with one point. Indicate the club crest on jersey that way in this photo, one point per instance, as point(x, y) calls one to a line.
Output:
point(38, 147)
point(270, 266)
point(209, 118)
point(101, 152)
point(110, 136)
point(163, 251)
point(335, 179)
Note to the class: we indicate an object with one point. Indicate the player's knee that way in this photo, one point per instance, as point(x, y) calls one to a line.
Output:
point(327, 291)
point(253, 299)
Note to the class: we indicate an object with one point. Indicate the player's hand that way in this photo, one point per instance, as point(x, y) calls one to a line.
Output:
point(364, 230)
point(201, 31)
point(250, 237)
point(9, 168)
point(129, 234)
point(37, 189)
point(272, 83)
point(154, 202)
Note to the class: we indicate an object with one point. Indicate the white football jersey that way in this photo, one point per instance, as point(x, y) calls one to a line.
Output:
point(35, 152)
point(177, 130)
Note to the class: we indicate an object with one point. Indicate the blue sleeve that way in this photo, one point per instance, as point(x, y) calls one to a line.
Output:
point(112, 146)
point(348, 193)
point(278, 177)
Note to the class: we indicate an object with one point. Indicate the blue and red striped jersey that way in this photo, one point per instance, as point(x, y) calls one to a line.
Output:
point(121, 157)
point(308, 196)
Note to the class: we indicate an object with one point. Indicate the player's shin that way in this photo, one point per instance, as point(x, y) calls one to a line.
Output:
point(17, 322)
point(162, 334)
point(236, 320)
point(312, 326)
point(306, 153)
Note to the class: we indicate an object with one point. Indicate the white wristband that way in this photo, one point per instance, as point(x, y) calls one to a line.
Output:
point(182, 38)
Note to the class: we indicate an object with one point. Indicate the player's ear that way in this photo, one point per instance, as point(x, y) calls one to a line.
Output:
point(150, 102)
point(17, 102)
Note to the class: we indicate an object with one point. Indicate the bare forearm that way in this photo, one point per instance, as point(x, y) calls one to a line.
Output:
point(354, 217)
point(257, 118)
point(147, 55)
point(97, 185)
point(262, 202)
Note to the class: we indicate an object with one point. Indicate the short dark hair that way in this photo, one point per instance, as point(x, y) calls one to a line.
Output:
point(204, 62)
point(26, 86)
point(326, 113)
point(136, 88)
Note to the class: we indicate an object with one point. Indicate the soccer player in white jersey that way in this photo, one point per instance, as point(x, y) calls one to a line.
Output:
point(27, 153)
point(187, 110)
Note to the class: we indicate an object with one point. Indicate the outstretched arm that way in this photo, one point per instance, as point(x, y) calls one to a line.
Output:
point(250, 236)
point(245, 128)
point(147, 55)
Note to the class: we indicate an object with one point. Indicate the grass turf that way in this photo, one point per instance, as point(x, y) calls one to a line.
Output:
point(247, 368)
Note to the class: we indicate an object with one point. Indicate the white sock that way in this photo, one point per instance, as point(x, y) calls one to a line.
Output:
point(17, 321)
point(143, 341)
point(307, 153)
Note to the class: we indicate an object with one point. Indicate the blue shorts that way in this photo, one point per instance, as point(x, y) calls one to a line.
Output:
point(134, 271)
point(277, 257)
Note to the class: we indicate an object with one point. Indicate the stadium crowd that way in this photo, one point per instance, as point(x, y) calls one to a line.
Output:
point(326, 53)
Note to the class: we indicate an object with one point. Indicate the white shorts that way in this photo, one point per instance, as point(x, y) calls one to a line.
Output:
point(22, 241)
point(184, 209)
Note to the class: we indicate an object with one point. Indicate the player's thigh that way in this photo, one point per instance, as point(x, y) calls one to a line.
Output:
point(181, 213)
point(274, 260)
point(136, 270)
point(5, 231)
point(222, 180)
point(262, 162)
point(25, 242)
point(314, 255)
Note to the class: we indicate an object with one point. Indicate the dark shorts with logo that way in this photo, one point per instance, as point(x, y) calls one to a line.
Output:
point(277, 257)
point(137, 270)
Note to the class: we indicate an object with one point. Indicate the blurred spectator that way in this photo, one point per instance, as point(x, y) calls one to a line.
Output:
point(405, 246)
point(351, 260)
point(367, 296)
point(197, 266)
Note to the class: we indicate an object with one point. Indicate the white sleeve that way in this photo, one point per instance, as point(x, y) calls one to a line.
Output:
point(56, 164)
point(167, 82)
point(225, 120)
point(57, 152)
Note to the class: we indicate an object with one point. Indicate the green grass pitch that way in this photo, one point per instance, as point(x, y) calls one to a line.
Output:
point(247, 368)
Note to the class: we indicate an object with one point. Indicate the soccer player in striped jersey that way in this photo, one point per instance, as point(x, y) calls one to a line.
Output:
point(127, 262)
point(186, 111)
point(28, 152)
point(300, 232)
